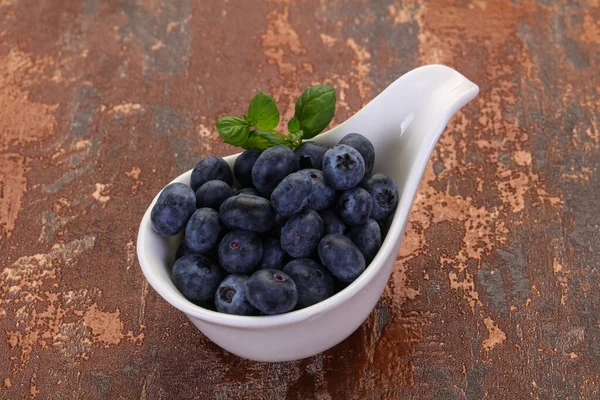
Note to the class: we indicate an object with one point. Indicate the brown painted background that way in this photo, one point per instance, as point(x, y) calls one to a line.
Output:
point(496, 290)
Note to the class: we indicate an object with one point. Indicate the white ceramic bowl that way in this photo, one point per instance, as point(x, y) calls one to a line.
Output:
point(404, 122)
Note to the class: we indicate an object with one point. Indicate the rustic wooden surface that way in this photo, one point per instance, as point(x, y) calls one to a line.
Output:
point(496, 290)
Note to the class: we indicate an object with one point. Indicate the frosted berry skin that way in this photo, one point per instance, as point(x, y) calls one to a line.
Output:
point(292, 194)
point(274, 164)
point(208, 169)
point(173, 208)
point(203, 230)
point(242, 167)
point(363, 146)
point(384, 193)
point(354, 206)
point(310, 155)
point(343, 167)
point(273, 255)
point(212, 194)
point(251, 213)
point(301, 234)
point(248, 190)
point(322, 196)
point(231, 296)
point(240, 251)
point(272, 291)
point(314, 282)
point(341, 257)
point(367, 237)
point(196, 277)
point(331, 222)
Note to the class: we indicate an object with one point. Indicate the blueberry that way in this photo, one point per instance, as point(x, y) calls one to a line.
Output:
point(331, 222)
point(209, 169)
point(343, 167)
point(363, 146)
point(196, 277)
point(240, 251)
point(173, 208)
point(242, 167)
point(291, 195)
point(301, 234)
point(251, 213)
point(314, 282)
point(322, 195)
point(274, 164)
point(272, 291)
point(367, 237)
point(273, 255)
point(203, 230)
point(248, 190)
point(212, 194)
point(384, 193)
point(343, 259)
point(310, 155)
point(354, 206)
point(232, 298)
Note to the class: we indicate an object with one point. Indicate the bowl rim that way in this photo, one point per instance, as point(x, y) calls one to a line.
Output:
point(178, 301)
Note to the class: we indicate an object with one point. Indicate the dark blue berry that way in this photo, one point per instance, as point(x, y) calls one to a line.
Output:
point(274, 164)
point(343, 167)
point(354, 206)
point(212, 194)
point(341, 257)
point(384, 193)
point(322, 195)
point(203, 230)
point(273, 255)
point(196, 277)
point(174, 206)
point(291, 195)
point(314, 282)
point(301, 234)
point(242, 167)
point(272, 291)
point(310, 155)
point(364, 147)
point(209, 169)
point(331, 222)
point(251, 213)
point(232, 297)
point(367, 237)
point(240, 251)
point(248, 190)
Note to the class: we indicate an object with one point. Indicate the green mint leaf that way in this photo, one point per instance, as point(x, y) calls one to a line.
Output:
point(263, 140)
point(297, 135)
point(293, 125)
point(248, 120)
point(233, 130)
point(263, 112)
point(315, 109)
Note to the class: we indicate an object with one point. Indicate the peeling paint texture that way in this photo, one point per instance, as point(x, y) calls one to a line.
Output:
point(496, 289)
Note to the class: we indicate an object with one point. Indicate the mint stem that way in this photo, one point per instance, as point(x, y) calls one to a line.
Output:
point(286, 137)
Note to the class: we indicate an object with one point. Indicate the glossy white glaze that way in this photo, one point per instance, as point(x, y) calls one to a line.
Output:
point(404, 123)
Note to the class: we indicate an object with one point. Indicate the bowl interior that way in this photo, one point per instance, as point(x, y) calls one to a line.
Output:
point(157, 254)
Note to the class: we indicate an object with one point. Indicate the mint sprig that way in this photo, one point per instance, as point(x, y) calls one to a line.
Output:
point(314, 110)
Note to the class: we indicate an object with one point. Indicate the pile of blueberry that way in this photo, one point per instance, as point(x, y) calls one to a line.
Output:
point(303, 224)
